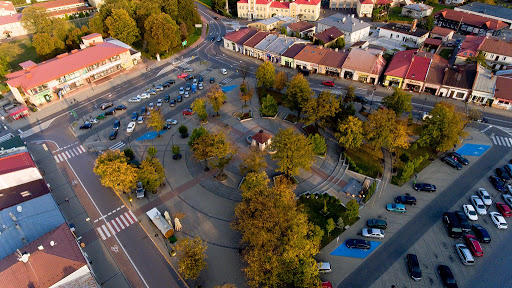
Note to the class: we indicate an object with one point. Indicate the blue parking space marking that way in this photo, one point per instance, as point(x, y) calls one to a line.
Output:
point(473, 149)
point(150, 135)
point(228, 88)
point(342, 250)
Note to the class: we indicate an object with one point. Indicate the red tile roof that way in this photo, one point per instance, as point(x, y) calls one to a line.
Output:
point(334, 59)
point(400, 63)
point(261, 137)
point(16, 162)
point(311, 54)
point(470, 46)
point(283, 5)
point(58, 67)
point(436, 73)
point(329, 35)
point(496, 46)
point(236, 35)
point(472, 19)
point(365, 61)
point(91, 36)
point(441, 31)
point(300, 26)
point(247, 36)
point(243, 1)
point(418, 69)
point(436, 42)
point(58, 3)
point(366, 1)
point(7, 6)
point(70, 11)
point(257, 38)
point(8, 19)
point(46, 267)
point(307, 2)
point(503, 88)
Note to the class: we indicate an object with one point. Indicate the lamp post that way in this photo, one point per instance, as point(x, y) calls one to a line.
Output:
point(130, 200)
point(373, 94)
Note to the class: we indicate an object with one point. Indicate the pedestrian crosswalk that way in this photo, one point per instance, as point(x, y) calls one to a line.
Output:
point(502, 141)
point(227, 80)
point(204, 72)
point(70, 153)
point(182, 63)
point(116, 225)
point(117, 146)
point(6, 137)
point(361, 91)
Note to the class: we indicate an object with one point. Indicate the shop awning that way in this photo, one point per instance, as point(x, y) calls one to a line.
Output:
point(18, 110)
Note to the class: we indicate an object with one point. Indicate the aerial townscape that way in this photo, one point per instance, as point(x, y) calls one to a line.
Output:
point(255, 143)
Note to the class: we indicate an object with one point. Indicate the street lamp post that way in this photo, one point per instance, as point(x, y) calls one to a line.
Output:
point(373, 94)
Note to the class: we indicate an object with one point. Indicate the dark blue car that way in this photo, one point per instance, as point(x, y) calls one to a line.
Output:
point(497, 183)
point(135, 115)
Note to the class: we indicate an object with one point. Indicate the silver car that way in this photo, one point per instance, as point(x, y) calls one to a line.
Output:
point(372, 233)
point(484, 195)
point(478, 204)
point(140, 191)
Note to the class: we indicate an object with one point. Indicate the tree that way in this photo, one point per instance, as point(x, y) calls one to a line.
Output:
point(283, 31)
point(151, 173)
point(191, 255)
point(480, 58)
point(399, 101)
point(383, 130)
point(175, 149)
point(44, 45)
point(339, 223)
point(330, 226)
point(115, 172)
point(216, 97)
point(474, 114)
point(128, 152)
point(319, 146)
point(352, 209)
point(222, 151)
point(122, 27)
point(35, 19)
point(253, 162)
point(183, 130)
point(432, 2)
point(142, 11)
point(280, 81)
point(265, 75)
point(269, 106)
point(320, 109)
point(156, 121)
point(74, 38)
point(444, 129)
point(161, 33)
point(293, 151)
point(183, 31)
point(203, 148)
point(338, 44)
point(429, 23)
point(170, 7)
point(297, 94)
point(246, 94)
point(351, 95)
point(196, 134)
point(350, 132)
point(151, 151)
point(187, 13)
point(199, 107)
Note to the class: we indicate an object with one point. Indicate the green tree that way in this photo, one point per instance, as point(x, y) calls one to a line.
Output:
point(151, 173)
point(191, 257)
point(383, 130)
point(280, 81)
point(222, 151)
point(338, 44)
point(350, 132)
point(35, 19)
point(246, 94)
point(320, 109)
point(128, 152)
point(399, 101)
point(187, 13)
point(161, 33)
point(122, 27)
point(429, 23)
point(297, 94)
point(480, 58)
point(183, 130)
point(319, 146)
point(444, 129)
point(44, 45)
point(199, 107)
point(203, 147)
point(143, 10)
point(329, 226)
point(175, 149)
point(269, 106)
point(352, 209)
point(216, 97)
point(196, 134)
point(351, 95)
point(293, 151)
point(170, 7)
point(183, 31)
point(253, 162)
point(74, 38)
point(432, 2)
point(474, 114)
point(152, 151)
point(339, 223)
point(156, 121)
point(115, 172)
point(283, 31)
point(265, 75)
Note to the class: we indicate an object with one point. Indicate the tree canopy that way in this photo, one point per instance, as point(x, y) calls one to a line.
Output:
point(156, 121)
point(280, 81)
point(115, 172)
point(151, 173)
point(253, 162)
point(350, 132)
point(399, 101)
point(269, 106)
point(161, 33)
point(122, 26)
point(265, 75)
point(320, 109)
point(216, 97)
point(297, 94)
point(293, 151)
point(383, 130)
point(199, 107)
point(191, 257)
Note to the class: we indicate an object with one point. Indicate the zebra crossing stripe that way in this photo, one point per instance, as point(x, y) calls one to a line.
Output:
point(82, 147)
point(101, 233)
point(64, 156)
point(498, 139)
point(106, 230)
point(129, 218)
point(115, 225)
point(110, 227)
point(60, 157)
point(120, 223)
point(77, 151)
point(505, 141)
point(493, 140)
point(67, 154)
point(71, 152)
point(133, 215)
point(56, 158)
point(124, 220)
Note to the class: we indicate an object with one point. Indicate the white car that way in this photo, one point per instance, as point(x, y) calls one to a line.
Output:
point(186, 94)
point(135, 99)
point(478, 204)
point(144, 95)
point(182, 90)
point(140, 120)
point(152, 92)
point(372, 233)
point(200, 86)
point(484, 195)
point(507, 198)
point(223, 71)
point(498, 220)
point(509, 189)
point(93, 121)
point(159, 103)
point(151, 106)
point(159, 88)
point(130, 127)
point(469, 210)
point(194, 82)
point(171, 121)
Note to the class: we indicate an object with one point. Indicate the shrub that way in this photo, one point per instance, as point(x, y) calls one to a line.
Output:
point(269, 106)
point(319, 146)
point(404, 157)
point(128, 152)
point(371, 190)
point(183, 130)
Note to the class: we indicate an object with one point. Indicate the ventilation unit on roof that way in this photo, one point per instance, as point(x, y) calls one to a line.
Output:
point(22, 257)
point(52, 243)
point(40, 247)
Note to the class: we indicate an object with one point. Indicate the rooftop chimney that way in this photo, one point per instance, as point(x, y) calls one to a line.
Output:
point(414, 23)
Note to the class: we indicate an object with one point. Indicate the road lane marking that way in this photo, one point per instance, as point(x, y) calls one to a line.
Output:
point(106, 230)
point(115, 225)
point(120, 223)
point(129, 218)
point(488, 127)
point(110, 227)
point(101, 233)
point(124, 220)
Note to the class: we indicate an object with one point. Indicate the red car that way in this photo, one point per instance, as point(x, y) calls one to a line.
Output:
point(182, 75)
point(188, 112)
point(504, 209)
point(326, 284)
point(474, 245)
point(328, 83)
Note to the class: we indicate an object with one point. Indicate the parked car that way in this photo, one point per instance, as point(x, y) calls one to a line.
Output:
point(93, 121)
point(101, 116)
point(182, 75)
point(111, 112)
point(478, 204)
point(413, 267)
point(159, 88)
point(188, 69)
point(447, 276)
point(509, 189)
point(166, 84)
point(324, 267)
point(484, 195)
point(409, 200)
point(498, 220)
point(151, 106)
point(508, 199)
point(459, 158)
point(106, 105)
point(131, 127)
point(187, 87)
point(200, 79)
point(194, 82)
point(190, 77)
point(121, 107)
point(470, 212)
point(463, 220)
point(152, 92)
point(358, 244)
point(502, 174)
point(481, 233)
point(223, 71)
point(508, 168)
point(172, 103)
point(186, 94)
point(218, 38)
point(144, 95)
point(497, 184)
point(167, 98)
point(464, 254)
point(372, 233)
point(86, 125)
point(328, 83)
point(377, 223)
point(424, 187)
point(143, 111)
point(212, 80)
point(451, 162)
point(182, 90)
point(171, 121)
point(179, 99)
point(140, 120)
point(400, 208)
point(188, 111)
point(473, 245)
point(140, 190)
point(159, 103)
point(200, 86)
point(117, 123)
point(361, 99)
point(113, 135)
point(452, 225)
point(503, 209)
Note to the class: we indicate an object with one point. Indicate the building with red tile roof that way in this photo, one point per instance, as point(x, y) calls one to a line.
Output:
point(398, 67)
point(417, 73)
point(328, 36)
point(303, 28)
point(261, 140)
point(444, 34)
point(17, 168)
point(263, 9)
point(469, 48)
point(332, 63)
point(502, 95)
point(10, 26)
point(252, 42)
point(6, 8)
point(309, 58)
point(61, 8)
point(67, 72)
point(498, 53)
point(466, 23)
point(16, 161)
point(367, 70)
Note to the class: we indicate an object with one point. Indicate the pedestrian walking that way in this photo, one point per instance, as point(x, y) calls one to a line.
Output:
point(66, 199)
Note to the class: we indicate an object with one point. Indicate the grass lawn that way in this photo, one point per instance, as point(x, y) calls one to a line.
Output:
point(446, 53)
point(440, 7)
point(366, 159)
point(207, 2)
point(191, 39)
point(414, 151)
point(394, 15)
point(312, 208)
point(278, 96)
point(20, 51)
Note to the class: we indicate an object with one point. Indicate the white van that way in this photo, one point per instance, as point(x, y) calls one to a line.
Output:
point(464, 254)
point(324, 267)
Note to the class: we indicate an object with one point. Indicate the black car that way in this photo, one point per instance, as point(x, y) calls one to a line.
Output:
point(497, 183)
point(172, 103)
point(405, 200)
point(113, 135)
point(190, 77)
point(167, 98)
point(502, 174)
point(450, 161)
point(424, 187)
point(134, 117)
point(358, 244)
point(377, 223)
point(200, 79)
point(413, 266)
point(212, 80)
point(361, 99)
point(464, 221)
point(179, 98)
point(111, 112)
point(216, 18)
point(106, 105)
point(117, 124)
point(143, 111)
point(459, 158)
point(121, 107)
point(447, 276)
point(481, 234)
point(212, 39)
point(86, 126)
point(166, 84)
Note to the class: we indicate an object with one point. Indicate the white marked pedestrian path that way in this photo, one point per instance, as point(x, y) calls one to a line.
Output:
point(6, 137)
point(501, 140)
point(204, 72)
point(227, 80)
point(117, 146)
point(115, 225)
point(70, 153)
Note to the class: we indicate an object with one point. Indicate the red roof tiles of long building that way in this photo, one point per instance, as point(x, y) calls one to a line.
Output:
point(418, 69)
